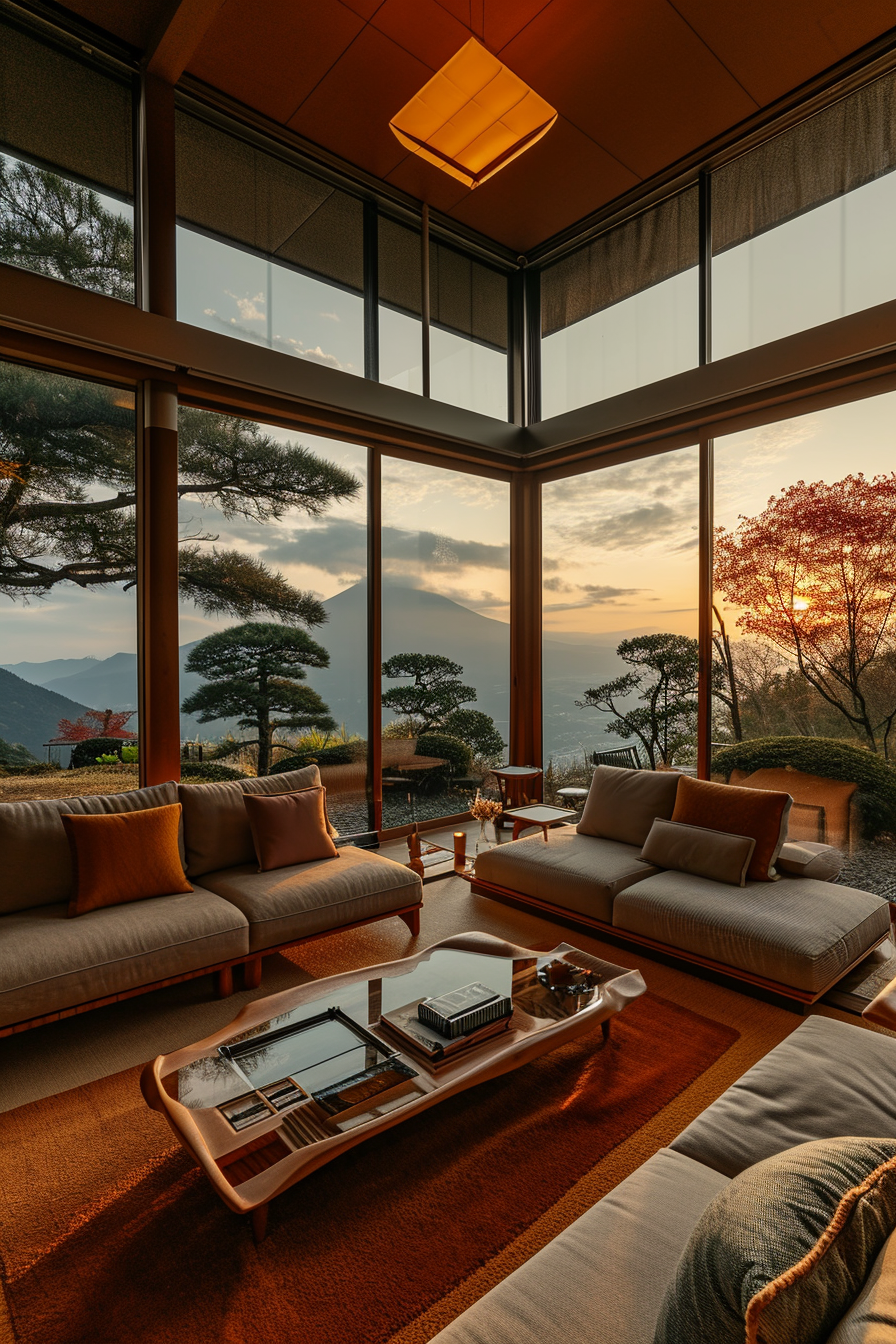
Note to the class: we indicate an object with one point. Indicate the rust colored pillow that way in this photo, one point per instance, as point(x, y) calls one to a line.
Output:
point(726, 807)
point(124, 856)
point(289, 828)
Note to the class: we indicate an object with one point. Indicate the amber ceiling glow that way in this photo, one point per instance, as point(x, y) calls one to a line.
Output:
point(473, 117)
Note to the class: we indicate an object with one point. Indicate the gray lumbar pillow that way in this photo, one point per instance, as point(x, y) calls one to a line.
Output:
point(622, 804)
point(697, 849)
point(808, 858)
point(783, 1251)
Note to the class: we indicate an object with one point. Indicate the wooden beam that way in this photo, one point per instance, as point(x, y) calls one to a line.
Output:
point(181, 27)
point(525, 620)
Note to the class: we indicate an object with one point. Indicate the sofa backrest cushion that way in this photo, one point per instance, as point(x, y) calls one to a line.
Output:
point(717, 855)
point(36, 867)
point(726, 807)
point(623, 804)
point(216, 828)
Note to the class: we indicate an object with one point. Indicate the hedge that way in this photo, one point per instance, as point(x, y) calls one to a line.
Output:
point(209, 772)
point(342, 753)
point(85, 753)
point(450, 749)
point(830, 758)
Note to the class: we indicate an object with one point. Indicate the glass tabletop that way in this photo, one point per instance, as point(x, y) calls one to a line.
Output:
point(332, 1037)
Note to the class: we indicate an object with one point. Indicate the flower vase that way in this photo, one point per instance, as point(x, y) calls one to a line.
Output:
point(482, 840)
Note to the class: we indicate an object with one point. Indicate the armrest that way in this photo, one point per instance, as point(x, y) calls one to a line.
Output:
point(882, 1009)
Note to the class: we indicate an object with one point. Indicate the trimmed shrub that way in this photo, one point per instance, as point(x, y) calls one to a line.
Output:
point(341, 753)
point(86, 753)
point(875, 797)
point(450, 749)
point(209, 772)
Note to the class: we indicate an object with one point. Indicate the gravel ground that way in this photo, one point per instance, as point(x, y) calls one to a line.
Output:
point(872, 867)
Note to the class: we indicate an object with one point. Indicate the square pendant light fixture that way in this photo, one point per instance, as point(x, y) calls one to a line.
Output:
point(473, 117)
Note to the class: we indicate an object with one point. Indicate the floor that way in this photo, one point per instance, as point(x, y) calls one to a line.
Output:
point(63, 1055)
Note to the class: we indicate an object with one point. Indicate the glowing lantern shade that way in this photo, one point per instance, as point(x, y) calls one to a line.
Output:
point(473, 117)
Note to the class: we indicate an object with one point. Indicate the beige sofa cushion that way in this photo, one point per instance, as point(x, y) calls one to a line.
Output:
point(287, 904)
point(826, 1078)
point(61, 962)
point(602, 1280)
point(36, 866)
point(216, 828)
point(808, 858)
point(623, 804)
point(799, 932)
point(695, 849)
point(577, 872)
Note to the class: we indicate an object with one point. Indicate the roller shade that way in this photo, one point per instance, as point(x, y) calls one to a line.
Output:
point(464, 296)
point(834, 152)
point(65, 113)
point(650, 248)
point(238, 191)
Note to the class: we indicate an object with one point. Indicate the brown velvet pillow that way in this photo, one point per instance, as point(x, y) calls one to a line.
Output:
point(725, 807)
point(289, 828)
point(124, 856)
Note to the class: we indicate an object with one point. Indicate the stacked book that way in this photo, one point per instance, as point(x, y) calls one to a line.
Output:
point(440, 1031)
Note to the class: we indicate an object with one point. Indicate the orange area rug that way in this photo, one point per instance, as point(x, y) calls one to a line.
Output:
point(110, 1234)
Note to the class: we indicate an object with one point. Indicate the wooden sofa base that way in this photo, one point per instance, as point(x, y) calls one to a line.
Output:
point(223, 971)
point(794, 997)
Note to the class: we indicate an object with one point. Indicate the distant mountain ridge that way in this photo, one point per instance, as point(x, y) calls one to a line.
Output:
point(30, 714)
point(414, 621)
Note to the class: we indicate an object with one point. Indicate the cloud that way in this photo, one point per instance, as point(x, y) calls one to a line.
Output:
point(633, 528)
point(332, 317)
point(555, 585)
point(340, 545)
point(597, 595)
point(248, 308)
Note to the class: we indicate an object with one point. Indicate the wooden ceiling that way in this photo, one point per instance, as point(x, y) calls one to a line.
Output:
point(638, 85)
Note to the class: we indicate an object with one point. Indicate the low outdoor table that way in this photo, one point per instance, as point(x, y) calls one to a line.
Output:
point(539, 814)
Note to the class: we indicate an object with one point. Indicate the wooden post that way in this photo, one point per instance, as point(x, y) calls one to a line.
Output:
point(525, 622)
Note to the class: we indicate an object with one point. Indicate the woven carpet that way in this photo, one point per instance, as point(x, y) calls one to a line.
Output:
point(110, 1234)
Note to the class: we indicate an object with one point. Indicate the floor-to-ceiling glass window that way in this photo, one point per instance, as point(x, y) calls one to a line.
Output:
point(805, 625)
point(623, 311)
point(68, 681)
point(66, 165)
point(265, 252)
point(802, 227)
point(619, 647)
point(446, 637)
point(273, 580)
point(400, 306)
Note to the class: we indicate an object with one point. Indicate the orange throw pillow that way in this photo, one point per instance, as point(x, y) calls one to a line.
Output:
point(759, 813)
point(124, 856)
point(289, 828)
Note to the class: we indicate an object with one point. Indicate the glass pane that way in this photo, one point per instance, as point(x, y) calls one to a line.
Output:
point(650, 336)
point(67, 579)
point(446, 637)
point(467, 373)
point(805, 640)
point(619, 651)
point(274, 548)
point(802, 226)
point(401, 350)
point(622, 312)
point(226, 289)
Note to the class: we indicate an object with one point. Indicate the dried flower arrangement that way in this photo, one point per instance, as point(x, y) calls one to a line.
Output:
point(485, 809)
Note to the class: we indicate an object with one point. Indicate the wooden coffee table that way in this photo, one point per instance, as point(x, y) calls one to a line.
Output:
point(299, 1077)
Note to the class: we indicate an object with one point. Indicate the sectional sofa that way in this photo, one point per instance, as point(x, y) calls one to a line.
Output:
point(52, 966)
point(603, 1279)
point(794, 936)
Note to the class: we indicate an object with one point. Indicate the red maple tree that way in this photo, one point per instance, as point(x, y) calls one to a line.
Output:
point(815, 575)
point(96, 723)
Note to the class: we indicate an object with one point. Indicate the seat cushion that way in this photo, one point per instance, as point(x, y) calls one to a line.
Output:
point(288, 904)
point(798, 932)
point(216, 827)
point(827, 1078)
point(37, 864)
point(577, 872)
point(623, 804)
point(604, 1277)
point(60, 962)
